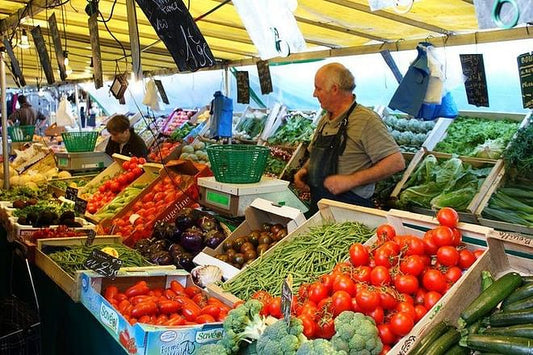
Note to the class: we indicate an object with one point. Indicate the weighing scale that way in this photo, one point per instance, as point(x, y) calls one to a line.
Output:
point(83, 162)
point(232, 199)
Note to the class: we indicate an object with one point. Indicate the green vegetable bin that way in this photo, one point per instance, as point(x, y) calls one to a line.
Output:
point(79, 141)
point(21, 133)
point(238, 163)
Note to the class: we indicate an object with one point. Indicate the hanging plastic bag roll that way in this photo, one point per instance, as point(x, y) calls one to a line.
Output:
point(64, 115)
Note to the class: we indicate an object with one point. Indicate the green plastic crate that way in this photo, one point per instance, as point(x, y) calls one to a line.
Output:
point(79, 141)
point(238, 163)
point(21, 133)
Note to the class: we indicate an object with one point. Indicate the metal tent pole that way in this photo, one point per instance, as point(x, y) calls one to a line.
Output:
point(5, 152)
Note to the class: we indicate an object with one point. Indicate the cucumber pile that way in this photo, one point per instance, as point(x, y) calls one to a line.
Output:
point(499, 320)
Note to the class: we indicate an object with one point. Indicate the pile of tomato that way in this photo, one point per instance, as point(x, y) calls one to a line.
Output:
point(160, 152)
point(396, 281)
point(60, 231)
point(138, 222)
point(175, 305)
point(132, 169)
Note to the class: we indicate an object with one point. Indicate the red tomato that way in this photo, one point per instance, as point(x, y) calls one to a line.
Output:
point(169, 306)
point(384, 257)
point(126, 165)
point(327, 281)
point(442, 236)
point(144, 308)
point(430, 248)
point(310, 327)
point(412, 265)
point(362, 274)
point(344, 283)
point(448, 217)
point(457, 237)
point(387, 299)
point(326, 328)
point(274, 307)
point(379, 276)
point(355, 306)
point(466, 259)
point(478, 253)
point(391, 245)
point(317, 292)
point(419, 296)
point(407, 308)
point(341, 301)
point(310, 309)
point(453, 274)
point(415, 246)
point(385, 232)
point(406, 283)
point(430, 298)
point(448, 255)
point(359, 254)
point(385, 349)
point(386, 335)
point(378, 314)
point(401, 323)
point(433, 280)
point(420, 311)
point(367, 299)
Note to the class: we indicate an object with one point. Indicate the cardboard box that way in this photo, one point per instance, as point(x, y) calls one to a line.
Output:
point(329, 211)
point(148, 339)
point(469, 214)
point(506, 252)
point(259, 212)
point(65, 281)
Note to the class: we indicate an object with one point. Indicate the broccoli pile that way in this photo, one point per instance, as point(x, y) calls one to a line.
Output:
point(356, 333)
point(280, 338)
point(319, 347)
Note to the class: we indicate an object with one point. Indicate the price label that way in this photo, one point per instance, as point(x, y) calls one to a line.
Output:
point(71, 193)
point(90, 238)
point(103, 263)
point(286, 298)
point(80, 205)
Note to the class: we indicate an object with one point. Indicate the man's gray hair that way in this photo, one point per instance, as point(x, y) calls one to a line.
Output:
point(340, 75)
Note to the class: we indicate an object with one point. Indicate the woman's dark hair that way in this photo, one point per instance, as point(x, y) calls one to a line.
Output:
point(118, 124)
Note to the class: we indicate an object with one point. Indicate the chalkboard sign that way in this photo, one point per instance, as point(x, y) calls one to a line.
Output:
point(56, 39)
point(162, 91)
point(103, 263)
point(80, 205)
point(264, 77)
point(475, 79)
point(43, 54)
point(176, 28)
point(286, 298)
point(525, 70)
point(71, 193)
point(15, 67)
point(90, 238)
point(243, 87)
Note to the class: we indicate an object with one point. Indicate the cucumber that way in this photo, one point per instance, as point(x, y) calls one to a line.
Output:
point(519, 294)
point(490, 298)
point(444, 343)
point(527, 278)
point(521, 330)
point(500, 344)
point(520, 304)
point(501, 319)
point(457, 350)
point(435, 333)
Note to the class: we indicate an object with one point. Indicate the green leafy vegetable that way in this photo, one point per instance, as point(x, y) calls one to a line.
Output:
point(518, 156)
point(296, 129)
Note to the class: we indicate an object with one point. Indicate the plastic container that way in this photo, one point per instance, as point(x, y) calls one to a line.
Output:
point(238, 163)
point(21, 133)
point(80, 141)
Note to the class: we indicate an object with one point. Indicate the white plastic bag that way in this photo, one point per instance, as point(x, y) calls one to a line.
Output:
point(64, 115)
point(151, 99)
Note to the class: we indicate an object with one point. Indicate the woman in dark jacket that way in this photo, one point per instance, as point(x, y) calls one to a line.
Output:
point(123, 138)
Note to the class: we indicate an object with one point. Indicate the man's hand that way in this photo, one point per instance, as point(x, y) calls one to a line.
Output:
point(299, 180)
point(337, 184)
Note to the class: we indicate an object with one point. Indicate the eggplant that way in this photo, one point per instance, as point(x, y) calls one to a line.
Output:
point(192, 239)
point(162, 244)
point(175, 249)
point(163, 230)
point(185, 219)
point(213, 238)
point(184, 260)
point(161, 258)
point(142, 246)
point(207, 223)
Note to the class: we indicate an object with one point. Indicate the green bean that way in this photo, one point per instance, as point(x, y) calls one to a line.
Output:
point(306, 257)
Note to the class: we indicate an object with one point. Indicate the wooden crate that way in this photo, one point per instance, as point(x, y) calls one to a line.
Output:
point(469, 214)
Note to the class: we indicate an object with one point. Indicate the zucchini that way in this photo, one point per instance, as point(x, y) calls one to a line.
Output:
point(490, 298)
point(527, 278)
point(434, 334)
point(444, 343)
point(520, 304)
point(501, 319)
point(521, 330)
point(519, 294)
point(500, 344)
point(457, 350)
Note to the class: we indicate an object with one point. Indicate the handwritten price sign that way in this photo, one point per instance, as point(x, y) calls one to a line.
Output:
point(103, 263)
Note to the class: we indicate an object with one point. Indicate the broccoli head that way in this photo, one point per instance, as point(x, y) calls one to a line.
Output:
point(319, 347)
point(211, 349)
point(356, 333)
point(281, 339)
point(243, 324)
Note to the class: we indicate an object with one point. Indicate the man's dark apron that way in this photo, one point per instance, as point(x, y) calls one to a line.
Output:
point(323, 162)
